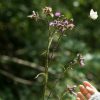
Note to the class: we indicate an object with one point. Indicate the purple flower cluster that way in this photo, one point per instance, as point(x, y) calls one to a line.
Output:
point(62, 24)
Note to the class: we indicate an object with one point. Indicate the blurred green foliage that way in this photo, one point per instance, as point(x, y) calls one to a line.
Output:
point(22, 42)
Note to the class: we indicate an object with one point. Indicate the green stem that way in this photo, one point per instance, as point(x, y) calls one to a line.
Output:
point(47, 65)
point(51, 58)
point(62, 95)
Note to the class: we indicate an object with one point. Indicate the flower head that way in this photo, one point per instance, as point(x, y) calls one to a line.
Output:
point(57, 14)
point(62, 24)
point(80, 60)
point(48, 11)
point(34, 15)
point(93, 14)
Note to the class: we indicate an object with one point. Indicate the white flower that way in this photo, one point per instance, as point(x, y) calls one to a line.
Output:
point(93, 14)
point(32, 15)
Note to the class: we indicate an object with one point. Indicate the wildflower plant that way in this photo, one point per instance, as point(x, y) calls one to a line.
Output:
point(58, 24)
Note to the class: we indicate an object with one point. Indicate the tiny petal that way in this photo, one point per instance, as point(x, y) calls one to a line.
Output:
point(70, 26)
point(30, 16)
point(51, 24)
point(93, 14)
point(51, 14)
point(65, 22)
point(57, 14)
point(33, 12)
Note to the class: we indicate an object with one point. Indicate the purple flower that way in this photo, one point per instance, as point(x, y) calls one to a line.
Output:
point(66, 22)
point(80, 60)
point(51, 24)
point(57, 14)
point(61, 24)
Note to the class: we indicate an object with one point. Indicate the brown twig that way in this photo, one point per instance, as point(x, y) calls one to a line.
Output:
point(15, 78)
point(21, 61)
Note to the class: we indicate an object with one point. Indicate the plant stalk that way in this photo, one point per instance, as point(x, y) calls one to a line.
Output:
point(47, 65)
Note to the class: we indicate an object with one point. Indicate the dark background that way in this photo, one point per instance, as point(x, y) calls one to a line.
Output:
point(23, 41)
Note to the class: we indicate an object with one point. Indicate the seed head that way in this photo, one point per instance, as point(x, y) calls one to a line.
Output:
point(34, 15)
point(48, 11)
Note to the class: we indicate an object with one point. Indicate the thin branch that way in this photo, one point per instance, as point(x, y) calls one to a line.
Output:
point(21, 61)
point(14, 78)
